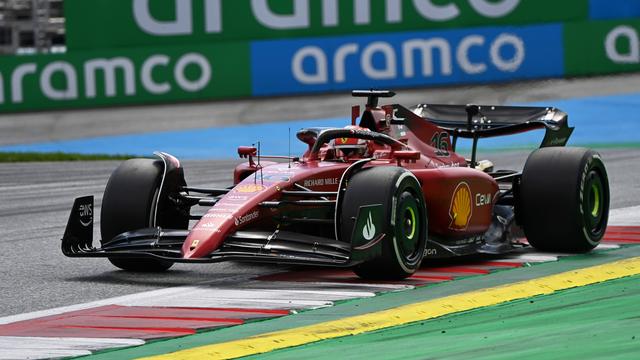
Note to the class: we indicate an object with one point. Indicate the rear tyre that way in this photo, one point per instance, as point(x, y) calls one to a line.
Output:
point(129, 204)
point(404, 220)
point(564, 199)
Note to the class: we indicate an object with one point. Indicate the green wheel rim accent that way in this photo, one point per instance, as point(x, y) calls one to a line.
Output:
point(595, 203)
point(595, 190)
point(412, 214)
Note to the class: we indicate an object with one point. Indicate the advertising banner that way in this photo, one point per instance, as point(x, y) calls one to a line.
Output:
point(406, 59)
point(602, 47)
point(124, 76)
point(613, 9)
point(97, 24)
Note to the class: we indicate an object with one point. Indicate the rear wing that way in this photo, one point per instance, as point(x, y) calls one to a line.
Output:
point(482, 121)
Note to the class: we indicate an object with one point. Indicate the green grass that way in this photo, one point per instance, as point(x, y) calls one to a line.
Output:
point(57, 156)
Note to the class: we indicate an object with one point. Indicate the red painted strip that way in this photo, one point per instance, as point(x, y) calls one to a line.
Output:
point(188, 312)
point(621, 238)
point(622, 233)
point(154, 330)
point(458, 269)
point(433, 277)
point(500, 264)
point(239, 310)
point(622, 241)
point(170, 318)
point(635, 229)
point(134, 321)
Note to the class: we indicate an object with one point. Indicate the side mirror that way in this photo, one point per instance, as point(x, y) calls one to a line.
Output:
point(247, 151)
point(407, 155)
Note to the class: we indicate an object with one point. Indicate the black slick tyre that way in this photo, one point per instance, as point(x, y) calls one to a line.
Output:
point(564, 199)
point(403, 220)
point(129, 204)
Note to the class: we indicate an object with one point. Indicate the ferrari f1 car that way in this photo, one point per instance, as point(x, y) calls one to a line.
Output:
point(378, 196)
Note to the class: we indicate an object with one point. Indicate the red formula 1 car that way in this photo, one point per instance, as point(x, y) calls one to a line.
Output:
point(378, 197)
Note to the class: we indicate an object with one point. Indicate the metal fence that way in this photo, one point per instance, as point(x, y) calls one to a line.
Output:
point(31, 26)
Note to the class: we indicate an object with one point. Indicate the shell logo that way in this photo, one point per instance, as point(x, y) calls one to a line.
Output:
point(461, 207)
point(249, 188)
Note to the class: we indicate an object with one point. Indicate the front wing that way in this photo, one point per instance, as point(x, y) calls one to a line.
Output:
point(166, 244)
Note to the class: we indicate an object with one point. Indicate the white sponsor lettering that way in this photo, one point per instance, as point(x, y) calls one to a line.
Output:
point(630, 36)
point(108, 69)
point(300, 16)
point(483, 199)
point(16, 80)
point(180, 26)
point(146, 75)
point(319, 59)
point(85, 211)
point(246, 218)
point(430, 252)
point(389, 55)
point(205, 72)
point(320, 182)
point(298, 20)
point(71, 81)
point(425, 48)
point(208, 226)
point(451, 165)
point(211, 215)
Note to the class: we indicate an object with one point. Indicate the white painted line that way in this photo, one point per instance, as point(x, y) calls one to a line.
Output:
point(629, 216)
point(604, 246)
point(534, 257)
point(271, 304)
point(202, 296)
point(92, 304)
point(328, 285)
point(19, 347)
point(40, 354)
point(252, 298)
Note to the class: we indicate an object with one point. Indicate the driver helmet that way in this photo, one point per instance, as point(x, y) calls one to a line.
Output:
point(351, 146)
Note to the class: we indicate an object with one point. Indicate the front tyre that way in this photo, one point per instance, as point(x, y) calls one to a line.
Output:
point(403, 220)
point(564, 199)
point(128, 204)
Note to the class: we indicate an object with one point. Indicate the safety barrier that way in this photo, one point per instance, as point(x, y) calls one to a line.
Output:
point(143, 51)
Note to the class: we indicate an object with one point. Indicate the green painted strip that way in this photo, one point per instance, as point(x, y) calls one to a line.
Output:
point(595, 321)
point(378, 303)
point(58, 156)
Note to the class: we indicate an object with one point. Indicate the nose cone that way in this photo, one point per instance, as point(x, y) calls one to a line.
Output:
point(235, 210)
point(208, 234)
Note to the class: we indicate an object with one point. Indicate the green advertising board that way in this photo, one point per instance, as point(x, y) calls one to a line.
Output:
point(124, 76)
point(95, 24)
point(602, 47)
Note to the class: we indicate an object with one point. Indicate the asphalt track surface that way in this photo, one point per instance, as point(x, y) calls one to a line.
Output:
point(36, 198)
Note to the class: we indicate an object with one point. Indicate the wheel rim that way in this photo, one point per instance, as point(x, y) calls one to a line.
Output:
point(595, 202)
point(408, 233)
point(410, 223)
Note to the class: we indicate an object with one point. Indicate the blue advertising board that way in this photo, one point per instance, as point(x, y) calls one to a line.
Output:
point(614, 9)
point(405, 59)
